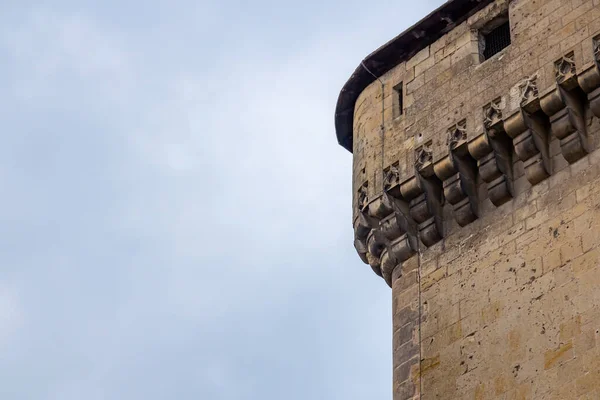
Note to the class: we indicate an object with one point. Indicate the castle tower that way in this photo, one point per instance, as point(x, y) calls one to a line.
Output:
point(475, 136)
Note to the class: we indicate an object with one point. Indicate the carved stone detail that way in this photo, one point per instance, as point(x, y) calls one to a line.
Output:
point(529, 134)
point(362, 228)
point(589, 79)
point(400, 237)
point(492, 115)
point(363, 196)
point(594, 100)
point(493, 152)
point(388, 228)
point(458, 172)
point(423, 156)
point(567, 120)
point(457, 134)
point(529, 94)
point(565, 71)
point(384, 234)
point(391, 180)
point(368, 241)
point(423, 192)
point(495, 166)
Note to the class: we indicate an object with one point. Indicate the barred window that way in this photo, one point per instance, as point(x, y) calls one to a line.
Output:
point(496, 40)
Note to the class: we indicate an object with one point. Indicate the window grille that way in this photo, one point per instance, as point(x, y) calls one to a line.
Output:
point(496, 40)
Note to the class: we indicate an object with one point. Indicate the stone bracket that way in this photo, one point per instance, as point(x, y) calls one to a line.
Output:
point(424, 195)
point(368, 241)
point(400, 238)
point(399, 229)
point(530, 141)
point(567, 120)
point(563, 104)
point(384, 234)
point(493, 149)
point(494, 160)
point(363, 233)
point(458, 172)
point(589, 81)
point(594, 100)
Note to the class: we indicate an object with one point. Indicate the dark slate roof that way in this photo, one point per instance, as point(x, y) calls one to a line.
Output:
point(397, 50)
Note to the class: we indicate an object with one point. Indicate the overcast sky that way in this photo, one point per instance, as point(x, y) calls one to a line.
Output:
point(176, 212)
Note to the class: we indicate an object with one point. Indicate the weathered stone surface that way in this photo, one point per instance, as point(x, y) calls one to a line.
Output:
point(480, 206)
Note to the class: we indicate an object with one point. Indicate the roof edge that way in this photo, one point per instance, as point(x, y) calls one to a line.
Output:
point(399, 49)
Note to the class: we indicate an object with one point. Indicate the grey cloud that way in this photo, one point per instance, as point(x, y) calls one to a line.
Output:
point(177, 224)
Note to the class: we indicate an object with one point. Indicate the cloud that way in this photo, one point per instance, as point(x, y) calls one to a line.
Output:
point(177, 221)
point(11, 313)
point(63, 52)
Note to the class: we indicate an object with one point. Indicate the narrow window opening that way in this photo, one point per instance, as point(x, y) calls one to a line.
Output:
point(496, 40)
point(399, 99)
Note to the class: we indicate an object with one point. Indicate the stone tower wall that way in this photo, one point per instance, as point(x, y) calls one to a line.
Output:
point(479, 204)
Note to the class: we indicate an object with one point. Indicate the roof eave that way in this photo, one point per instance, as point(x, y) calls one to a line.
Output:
point(397, 50)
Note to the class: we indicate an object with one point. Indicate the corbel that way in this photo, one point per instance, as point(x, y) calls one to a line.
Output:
point(381, 211)
point(374, 241)
point(383, 233)
point(528, 129)
point(492, 150)
point(563, 105)
point(423, 192)
point(458, 172)
point(400, 243)
point(363, 197)
point(377, 211)
point(398, 228)
point(375, 246)
point(589, 80)
point(363, 225)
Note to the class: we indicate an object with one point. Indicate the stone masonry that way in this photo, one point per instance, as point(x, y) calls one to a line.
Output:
point(476, 197)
